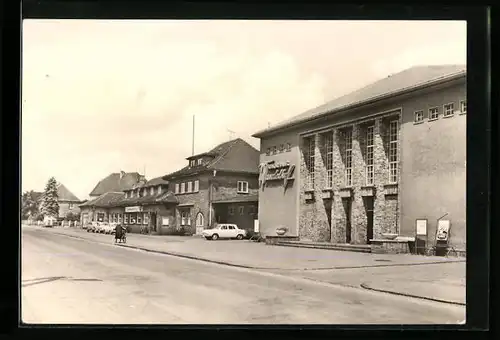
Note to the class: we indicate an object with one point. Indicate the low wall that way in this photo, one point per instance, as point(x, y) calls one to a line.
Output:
point(390, 247)
point(275, 239)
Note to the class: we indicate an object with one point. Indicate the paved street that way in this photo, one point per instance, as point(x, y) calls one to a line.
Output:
point(70, 280)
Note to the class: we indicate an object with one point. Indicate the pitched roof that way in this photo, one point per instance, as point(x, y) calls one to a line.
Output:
point(235, 155)
point(105, 200)
point(153, 182)
point(164, 197)
point(64, 194)
point(116, 182)
point(412, 78)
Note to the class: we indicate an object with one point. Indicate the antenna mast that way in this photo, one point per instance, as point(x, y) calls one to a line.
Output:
point(192, 147)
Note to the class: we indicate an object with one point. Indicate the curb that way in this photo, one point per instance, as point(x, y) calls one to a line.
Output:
point(252, 267)
point(365, 286)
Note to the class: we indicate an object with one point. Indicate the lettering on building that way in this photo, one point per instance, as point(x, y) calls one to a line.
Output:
point(274, 171)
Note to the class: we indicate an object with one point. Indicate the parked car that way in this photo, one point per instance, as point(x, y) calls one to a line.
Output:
point(109, 228)
point(100, 227)
point(224, 230)
point(92, 227)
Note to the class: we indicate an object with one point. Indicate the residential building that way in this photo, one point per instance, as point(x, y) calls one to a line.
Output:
point(220, 185)
point(68, 202)
point(371, 162)
point(106, 194)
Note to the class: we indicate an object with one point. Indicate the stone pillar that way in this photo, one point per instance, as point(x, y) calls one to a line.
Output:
point(321, 229)
point(358, 219)
point(338, 220)
point(381, 177)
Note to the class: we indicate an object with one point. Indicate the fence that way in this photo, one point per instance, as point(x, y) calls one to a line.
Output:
point(65, 224)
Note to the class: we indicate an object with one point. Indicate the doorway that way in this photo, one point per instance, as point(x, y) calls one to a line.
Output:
point(153, 222)
point(369, 218)
point(348, 211)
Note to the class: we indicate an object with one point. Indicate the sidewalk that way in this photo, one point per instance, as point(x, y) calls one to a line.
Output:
point(255, 255)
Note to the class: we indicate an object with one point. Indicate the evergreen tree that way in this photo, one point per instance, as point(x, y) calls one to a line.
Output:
point(29, 205)
point(50, 206)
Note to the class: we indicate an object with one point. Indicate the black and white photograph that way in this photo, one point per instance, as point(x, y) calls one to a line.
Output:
point(249, 172)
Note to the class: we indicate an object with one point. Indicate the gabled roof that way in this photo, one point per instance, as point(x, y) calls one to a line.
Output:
point(410, 79)
point(64, 194)
point(164, 197)
point(233, 156)
point(116, 182)
point(106, 200)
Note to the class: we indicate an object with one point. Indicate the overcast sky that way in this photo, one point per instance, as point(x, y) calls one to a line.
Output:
point(103, 96)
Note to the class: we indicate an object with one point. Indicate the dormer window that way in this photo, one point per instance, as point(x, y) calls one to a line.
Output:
point(152, 191)
point(126, 194)
point(199, 161)
point(192, 162)
point(159, 189)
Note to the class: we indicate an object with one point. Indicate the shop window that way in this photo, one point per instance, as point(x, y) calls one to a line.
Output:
point(243, 187)
point(200, 220)
point(241, 210)
point(189, 186)
point(146, 218)
point(119, 218)
point(132, 218)
point(196, 186)
point(139, 218)
point(125, 218)
point(176, 188)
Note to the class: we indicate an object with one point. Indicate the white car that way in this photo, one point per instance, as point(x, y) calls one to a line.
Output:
point(224, 230)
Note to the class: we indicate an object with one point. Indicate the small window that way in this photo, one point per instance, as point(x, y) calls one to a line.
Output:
point(243, 187)
point(191, 162)
point(183, 188)
point(288, 147)
point(433, 113)
point(268, 151)
point(241, 210)
point(231, 210)
point(196, 186)
point(189, 186)
point(418, 116)
point(282, 148)
point(463, 106)
point(177, 188)
point(448, 110)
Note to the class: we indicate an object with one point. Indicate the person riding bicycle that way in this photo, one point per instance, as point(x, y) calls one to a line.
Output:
point(120, 232)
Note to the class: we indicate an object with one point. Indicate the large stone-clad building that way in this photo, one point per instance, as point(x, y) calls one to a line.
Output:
point(371, 162)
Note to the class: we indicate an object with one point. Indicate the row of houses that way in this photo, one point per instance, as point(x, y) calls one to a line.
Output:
point(370, 163)
point(68, 202)
point(220, 185)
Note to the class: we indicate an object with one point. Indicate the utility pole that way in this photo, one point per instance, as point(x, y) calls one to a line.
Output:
point(192, 147)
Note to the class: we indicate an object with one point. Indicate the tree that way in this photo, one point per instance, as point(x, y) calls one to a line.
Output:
point(71, 216)
point(29, 205)
point(50, 206)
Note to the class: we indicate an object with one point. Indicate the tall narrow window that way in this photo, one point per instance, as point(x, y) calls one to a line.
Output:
point(393, 151)
point(348, 157)
point(309, 145)
point(369, 156)
point(183, 188)
point(159, 189)
point(242, 187)
point(200, 221)
point(152, 191)
point(189, 186)
point(463, 106)
point(196, 186)
point(177, 188)
point(329, 159)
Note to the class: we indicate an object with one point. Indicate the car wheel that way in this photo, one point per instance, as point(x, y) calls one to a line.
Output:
point(239, 237)
point(215, 237)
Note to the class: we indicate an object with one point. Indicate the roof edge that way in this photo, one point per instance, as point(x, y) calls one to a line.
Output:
point(372, 100)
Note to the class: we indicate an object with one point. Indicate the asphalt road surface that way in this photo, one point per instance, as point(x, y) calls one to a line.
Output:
point(67, 280)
